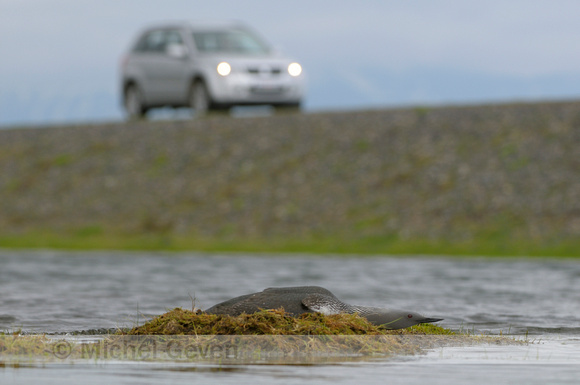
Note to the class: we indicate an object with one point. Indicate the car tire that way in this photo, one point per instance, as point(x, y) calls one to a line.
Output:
point(199, 98)
point(133, 101)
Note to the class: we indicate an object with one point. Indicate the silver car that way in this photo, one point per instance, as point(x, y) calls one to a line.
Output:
point(206, 67)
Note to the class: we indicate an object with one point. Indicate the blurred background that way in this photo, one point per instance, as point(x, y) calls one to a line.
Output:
point(60, 58)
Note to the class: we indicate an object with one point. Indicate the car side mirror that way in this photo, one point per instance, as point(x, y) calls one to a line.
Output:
point(177, 51)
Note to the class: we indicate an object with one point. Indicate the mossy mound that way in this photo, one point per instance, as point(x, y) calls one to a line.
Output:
point(269, 322)
point(275, 334)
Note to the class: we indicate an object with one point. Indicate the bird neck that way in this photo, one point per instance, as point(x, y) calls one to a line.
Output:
point(366, 310)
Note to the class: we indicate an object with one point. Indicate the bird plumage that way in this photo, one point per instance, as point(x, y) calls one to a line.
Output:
point(308, 299)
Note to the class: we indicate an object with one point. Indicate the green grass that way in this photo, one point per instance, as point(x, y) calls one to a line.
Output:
point(488, 244)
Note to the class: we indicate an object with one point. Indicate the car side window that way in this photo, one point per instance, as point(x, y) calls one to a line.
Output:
point(153, 41)
point(158, 40)
point(173, 37)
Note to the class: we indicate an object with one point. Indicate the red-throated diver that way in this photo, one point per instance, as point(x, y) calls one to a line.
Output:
point(309, 299)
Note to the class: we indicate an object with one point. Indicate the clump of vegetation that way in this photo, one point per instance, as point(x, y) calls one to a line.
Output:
point(276, 334)
point(269, 322)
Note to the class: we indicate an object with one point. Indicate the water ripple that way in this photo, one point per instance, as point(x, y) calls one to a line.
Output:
point(75, 291)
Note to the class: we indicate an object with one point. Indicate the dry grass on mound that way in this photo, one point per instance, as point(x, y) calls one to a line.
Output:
point(268, 322)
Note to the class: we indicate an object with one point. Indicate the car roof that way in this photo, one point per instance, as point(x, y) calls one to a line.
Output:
point(198, 26)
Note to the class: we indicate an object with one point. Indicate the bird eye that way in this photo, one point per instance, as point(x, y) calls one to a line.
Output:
point(410, 316)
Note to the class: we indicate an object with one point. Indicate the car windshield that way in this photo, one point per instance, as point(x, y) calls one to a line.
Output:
point(232, 41)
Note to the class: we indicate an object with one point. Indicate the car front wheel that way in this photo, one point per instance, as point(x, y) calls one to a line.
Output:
point(134, 102)
point(199, 99)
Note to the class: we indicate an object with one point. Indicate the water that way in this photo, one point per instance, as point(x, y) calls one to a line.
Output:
point(58, 292)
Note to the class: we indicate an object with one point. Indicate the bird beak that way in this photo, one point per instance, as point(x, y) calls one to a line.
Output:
point(430, 320)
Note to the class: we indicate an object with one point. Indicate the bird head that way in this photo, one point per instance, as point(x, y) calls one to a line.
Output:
point(397, 319)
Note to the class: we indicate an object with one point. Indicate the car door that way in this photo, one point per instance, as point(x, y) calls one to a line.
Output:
point(164, 74)
point(173, 69)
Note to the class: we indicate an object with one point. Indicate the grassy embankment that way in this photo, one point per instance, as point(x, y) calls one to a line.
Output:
point(482, 180)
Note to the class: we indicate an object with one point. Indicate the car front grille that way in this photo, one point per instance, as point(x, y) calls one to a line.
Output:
point(264, 70)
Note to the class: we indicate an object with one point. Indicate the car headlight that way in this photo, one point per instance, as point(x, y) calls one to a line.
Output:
point(224, 69)
point(294, 69)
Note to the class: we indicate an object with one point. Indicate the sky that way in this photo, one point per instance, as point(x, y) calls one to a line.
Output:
point(59, 59)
